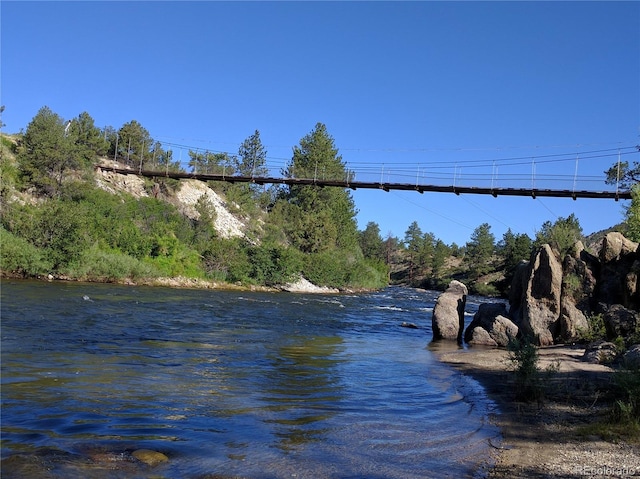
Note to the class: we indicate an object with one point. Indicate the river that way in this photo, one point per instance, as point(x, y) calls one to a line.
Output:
point(232, 384)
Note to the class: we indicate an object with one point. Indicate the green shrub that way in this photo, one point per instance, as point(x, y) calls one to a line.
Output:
point(483, 289)
point(97, 265)
point(181, 261)
point(528, 383)
point(18, 256)
point(596, 330)
point(273, 265)
point(626, 408)
point(328, 268)
point(227, 260)
point(368, 273)
point(572, 285)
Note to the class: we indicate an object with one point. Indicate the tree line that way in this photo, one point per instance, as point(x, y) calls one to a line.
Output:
point(56, 220)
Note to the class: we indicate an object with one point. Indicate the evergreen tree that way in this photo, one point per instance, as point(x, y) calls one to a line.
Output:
point(623, 174)
point(46, 152)
point(319, 219)
point(632, 216)
point(252, 157)
point(251, 161)
point(425, 254)
point(371, 243)
point(440, 254)
point(413, 242)
point(514, 248)
point(480, 250)
point(208, 163)
point(561, 235)
point(134, 144)
point(391, 247)
point(88, 138)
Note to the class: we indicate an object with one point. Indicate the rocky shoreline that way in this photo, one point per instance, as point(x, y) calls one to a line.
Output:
point(551, 439)
point(555, 302)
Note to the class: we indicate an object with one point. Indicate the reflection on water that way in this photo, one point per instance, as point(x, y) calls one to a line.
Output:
point(230, 384)
point(304, 388)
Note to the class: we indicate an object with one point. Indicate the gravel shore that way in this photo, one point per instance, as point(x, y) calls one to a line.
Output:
point(549, 439)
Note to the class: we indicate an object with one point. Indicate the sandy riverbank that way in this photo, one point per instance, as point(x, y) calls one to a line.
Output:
point(550, 439)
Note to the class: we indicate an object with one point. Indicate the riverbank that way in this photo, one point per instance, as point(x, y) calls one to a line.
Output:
point(556, 438)
point(301, 285)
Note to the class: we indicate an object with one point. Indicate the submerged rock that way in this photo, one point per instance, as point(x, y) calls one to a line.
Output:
point(149, 457)
point(409, 325)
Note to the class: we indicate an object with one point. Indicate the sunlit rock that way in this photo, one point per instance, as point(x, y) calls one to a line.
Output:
point(447, 319)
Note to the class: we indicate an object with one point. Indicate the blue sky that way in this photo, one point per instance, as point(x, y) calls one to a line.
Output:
point(433, 92)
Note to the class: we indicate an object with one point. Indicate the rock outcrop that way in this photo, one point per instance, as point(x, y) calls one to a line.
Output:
point(192, 191)
point(618, 281)
point(551, 299)
point(186, 198)
point(578, 288)
point(620, 321)
point(448, 314)
point(303, 285)
point(537, 310)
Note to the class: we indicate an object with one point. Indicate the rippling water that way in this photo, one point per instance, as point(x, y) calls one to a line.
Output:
point(230, 384)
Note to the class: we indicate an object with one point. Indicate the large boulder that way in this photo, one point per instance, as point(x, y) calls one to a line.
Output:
point(620, 272)
point(491, 318)
point(447, 320)
point(537, 310)
point(479, 337)
point(620, 321)
point(615, 246)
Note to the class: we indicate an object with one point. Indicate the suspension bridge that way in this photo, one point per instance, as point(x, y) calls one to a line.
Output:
point(565, 175)
point(418, 185)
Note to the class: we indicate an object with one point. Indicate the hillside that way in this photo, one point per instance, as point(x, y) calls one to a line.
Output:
point(185, 198)
point(63, 217)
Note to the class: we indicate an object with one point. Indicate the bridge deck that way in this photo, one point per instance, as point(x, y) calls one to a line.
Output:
point(420, 188)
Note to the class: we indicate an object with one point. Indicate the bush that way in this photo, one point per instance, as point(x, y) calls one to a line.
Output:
point(97, 265)
point(180, 261)
point(484, 289)
point(18, 256)
point(529, 384)
point(626, 408)
point(369, 273)
point(227, 260)
point(273, 265)
point(596, 330)
point(328, 268)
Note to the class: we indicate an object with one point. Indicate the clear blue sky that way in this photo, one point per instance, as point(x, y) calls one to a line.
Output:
point(440, 92)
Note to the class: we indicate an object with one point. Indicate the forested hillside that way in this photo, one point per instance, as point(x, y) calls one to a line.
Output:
point(61, 217)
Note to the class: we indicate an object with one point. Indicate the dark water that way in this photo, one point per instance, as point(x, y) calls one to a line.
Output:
point(231, 384)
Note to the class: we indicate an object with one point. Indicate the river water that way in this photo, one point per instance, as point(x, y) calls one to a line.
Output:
point(232, 384)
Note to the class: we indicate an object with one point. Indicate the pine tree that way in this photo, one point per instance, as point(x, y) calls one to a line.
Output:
point(46, 152)
point(319, 219)
point(480, 250)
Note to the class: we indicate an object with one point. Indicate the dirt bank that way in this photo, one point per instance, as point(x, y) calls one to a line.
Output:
point(550, 439)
